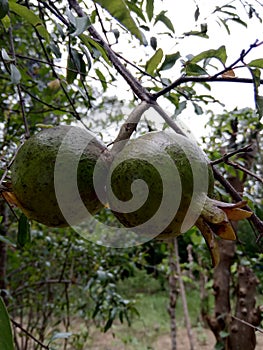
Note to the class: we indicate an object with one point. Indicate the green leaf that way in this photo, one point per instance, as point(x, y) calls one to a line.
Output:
point(202, 32)
point(92, 45)
point(198, 109)
point(154, 61)
point(30, 17)
point(153, 42)
point(87, 55)
point(181, 107)
point(23, 235)
point(102, 79)
point(15, 74)
point(6, 336)
point(193, 69)
point(258, 63)
point(73, 66)
point(224, 334)
point(4, 8)
point(6, 22)
point(259, 104)
point(133, 7)
point(170, 60)
point(219, 54)
point(149, 9)
point(162, 18)
point(256, 77)
point(81, 24)
point(120, 11)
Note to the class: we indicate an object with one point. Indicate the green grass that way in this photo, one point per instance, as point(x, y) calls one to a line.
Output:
point(152, 301)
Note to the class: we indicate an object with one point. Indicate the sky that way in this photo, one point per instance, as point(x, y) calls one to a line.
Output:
point(232, 95)
point(181, 13)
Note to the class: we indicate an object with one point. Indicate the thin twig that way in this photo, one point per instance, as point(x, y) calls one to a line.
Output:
point(214, 78)
point(18, 86)
point(135, 85)
point(202, 79)
point(226, 156)
point(16, 324)
point(244, 170)
point(75, 112)
point(248, 324)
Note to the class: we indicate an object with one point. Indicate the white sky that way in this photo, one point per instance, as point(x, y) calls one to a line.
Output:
point(181, 14)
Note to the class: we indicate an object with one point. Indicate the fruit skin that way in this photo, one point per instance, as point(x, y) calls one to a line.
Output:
point(154, 147)
point(32, 174)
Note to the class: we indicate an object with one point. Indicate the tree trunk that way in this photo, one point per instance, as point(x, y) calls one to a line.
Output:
point(183, 295)
point(173, 293)
point(3, 252)
point(219, 322)
point(230, 332)
point(242, 336)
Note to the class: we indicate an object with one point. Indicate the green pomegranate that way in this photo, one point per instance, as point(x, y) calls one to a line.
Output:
point(43, 171)
point(174, 180)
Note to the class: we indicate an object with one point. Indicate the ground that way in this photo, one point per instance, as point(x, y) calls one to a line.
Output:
point(204, 340)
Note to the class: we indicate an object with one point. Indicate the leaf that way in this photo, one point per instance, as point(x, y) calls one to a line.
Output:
point(197, 13)
point(198, 109)
point(165, 20)
point(6, 336)
point(6, 22)
point(210, 240)
point(154, 61)
point(102, 79)
point(193, 69)
point(5, 56)
point(133, 7)
point(219, 54)
point(92, 45)
point(149, 9)
point(15, 74)
point(87, 55)
point(23, 235)
point(71, 17)
point(72, 66)
point(259, 103)
point(4, 8)
point(236, 214)
point(153, 42)
point(225, 231)
point(229, 74)
point(60, 335)
point(119, 10)
point(258, 63)
point(170, 60)
point(30, 17)
point(81, 24)
point(202, 32)
point(181, 107)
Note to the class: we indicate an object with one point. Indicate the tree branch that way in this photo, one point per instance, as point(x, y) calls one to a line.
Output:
point(254, 219)
point(135, 85)
point(16, 324)
point(226, 156)
point(202, 79)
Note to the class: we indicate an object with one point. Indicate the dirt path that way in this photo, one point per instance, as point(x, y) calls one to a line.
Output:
point(204, 340)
